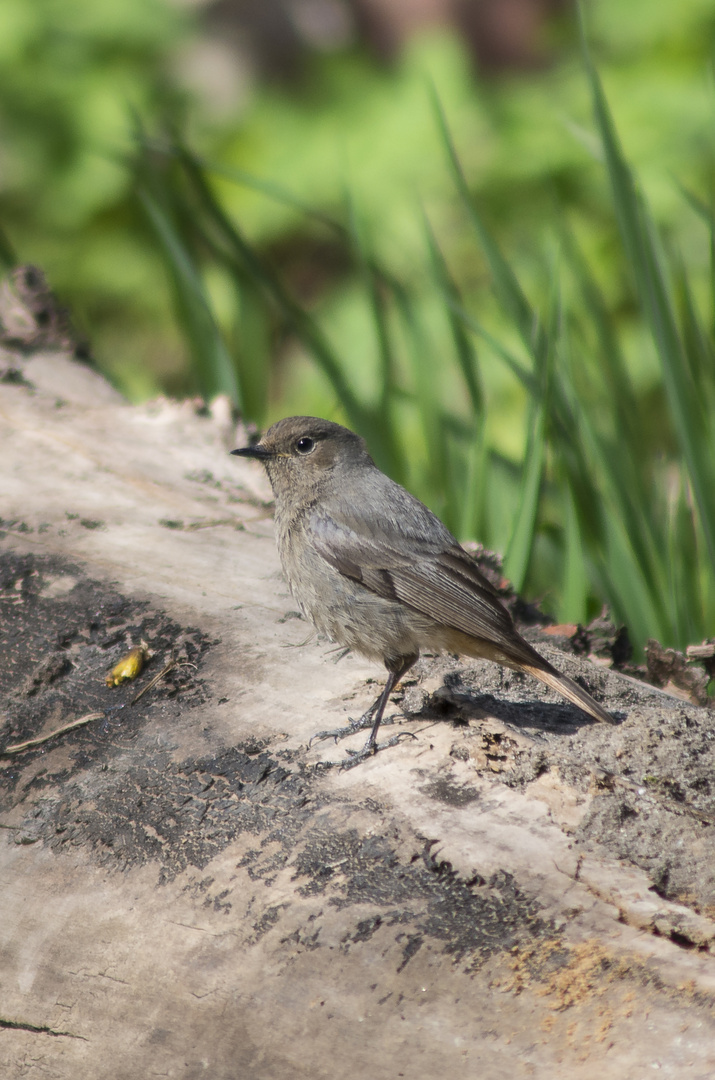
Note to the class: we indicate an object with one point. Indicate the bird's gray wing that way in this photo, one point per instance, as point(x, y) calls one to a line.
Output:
point(435, 577)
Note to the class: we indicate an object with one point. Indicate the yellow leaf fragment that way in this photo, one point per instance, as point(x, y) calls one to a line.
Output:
point(129, 666)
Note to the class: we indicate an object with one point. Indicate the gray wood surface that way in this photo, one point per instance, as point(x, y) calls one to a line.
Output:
point(187, 890)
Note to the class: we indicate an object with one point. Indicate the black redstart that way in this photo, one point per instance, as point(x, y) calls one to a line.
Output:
point(376, 571)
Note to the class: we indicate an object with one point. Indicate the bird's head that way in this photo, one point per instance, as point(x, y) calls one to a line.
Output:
point(304, 453)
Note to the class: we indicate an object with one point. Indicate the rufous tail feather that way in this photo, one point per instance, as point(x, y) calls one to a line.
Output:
point(570, 690)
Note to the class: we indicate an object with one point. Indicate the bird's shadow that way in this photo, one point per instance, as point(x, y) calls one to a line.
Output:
point(458, 703)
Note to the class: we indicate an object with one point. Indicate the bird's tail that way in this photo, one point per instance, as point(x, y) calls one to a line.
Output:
point(569, 689)
point(516, 653)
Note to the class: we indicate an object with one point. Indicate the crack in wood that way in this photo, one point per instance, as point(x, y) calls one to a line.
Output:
point(39, 1029)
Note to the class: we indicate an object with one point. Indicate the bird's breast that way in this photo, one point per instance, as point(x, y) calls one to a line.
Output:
point(343, 609)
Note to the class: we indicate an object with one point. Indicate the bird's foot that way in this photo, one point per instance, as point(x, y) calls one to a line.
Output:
point(370, 748)
point(363, 722)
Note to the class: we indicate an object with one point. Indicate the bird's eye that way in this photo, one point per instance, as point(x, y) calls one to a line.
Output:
point(305, 445)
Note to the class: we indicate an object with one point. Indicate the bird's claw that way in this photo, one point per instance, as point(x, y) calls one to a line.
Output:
point(363, 722)
point(370, 749)
point(355, 757)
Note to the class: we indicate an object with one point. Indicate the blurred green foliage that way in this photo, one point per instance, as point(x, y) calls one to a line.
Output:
point(71, 74)
point(516, 329)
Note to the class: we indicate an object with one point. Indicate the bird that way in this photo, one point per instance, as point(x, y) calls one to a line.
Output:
point(377, 572)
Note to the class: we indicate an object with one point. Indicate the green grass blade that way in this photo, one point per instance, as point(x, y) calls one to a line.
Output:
point(270, 189)
point(229, 244)
point(707, 214)
point(515, 366)
point(574, 587)
point(504, 280)
point(464, 350)
point(521, 543)
point(518, 554)
point(252, 348)
point(622, 397)
point(212, 363)
point(381, 291)
point(699, 350)
point(631, 597)
point(426, 377)
point(598, 461)
point(376, 289)
point(684, 600)
point(472, 522)
point(647, 264)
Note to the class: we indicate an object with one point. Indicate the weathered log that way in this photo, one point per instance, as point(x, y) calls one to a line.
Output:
point(187, 889)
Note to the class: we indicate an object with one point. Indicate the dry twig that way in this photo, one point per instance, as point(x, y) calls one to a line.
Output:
point(19, 747)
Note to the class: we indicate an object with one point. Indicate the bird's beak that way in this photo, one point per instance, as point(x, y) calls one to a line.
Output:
point(259, 452)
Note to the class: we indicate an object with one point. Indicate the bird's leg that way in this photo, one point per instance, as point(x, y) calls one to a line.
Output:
point(394, 676)
point(373, 716)
point(371, 746)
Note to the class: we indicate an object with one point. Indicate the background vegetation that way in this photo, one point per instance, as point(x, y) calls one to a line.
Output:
point(517, 313)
